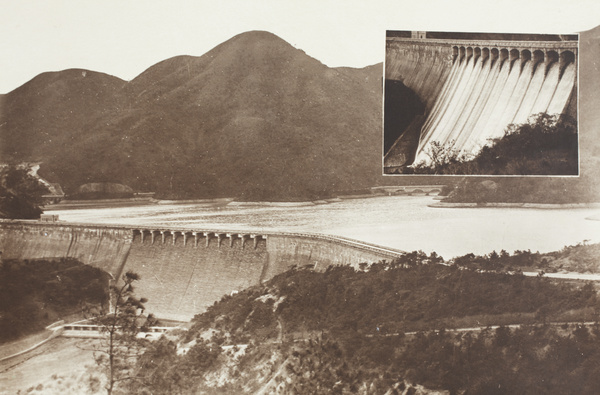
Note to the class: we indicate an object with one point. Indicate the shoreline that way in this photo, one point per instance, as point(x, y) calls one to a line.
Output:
point(222, 202)
point(99, 203)
point(114, 203)
point(209, 202)
point(514, 205)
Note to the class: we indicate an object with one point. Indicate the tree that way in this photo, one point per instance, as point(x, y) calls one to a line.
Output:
point(120, 348)
point(442, 155)
point(544, 145)
point(20, 194)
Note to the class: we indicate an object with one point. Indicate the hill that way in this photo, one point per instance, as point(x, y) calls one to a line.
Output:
point(48, 114)
point(253, 118)
point(346, 331)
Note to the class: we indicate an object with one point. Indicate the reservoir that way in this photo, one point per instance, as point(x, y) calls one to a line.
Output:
point(402, 222)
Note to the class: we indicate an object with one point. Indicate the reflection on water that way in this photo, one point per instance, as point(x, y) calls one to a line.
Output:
point(401, 222)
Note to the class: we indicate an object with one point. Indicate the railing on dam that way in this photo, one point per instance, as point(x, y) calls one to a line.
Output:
point(161, 233)
point(508, 44)
point(256, 236)
point(97, 331)
point(99, 328)
point(185, 270)
point(409, 189)
point(392, 252)
point(172, 235)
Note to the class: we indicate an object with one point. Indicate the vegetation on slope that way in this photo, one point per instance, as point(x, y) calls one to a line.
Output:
point(546, 145)
point(520, 150)
point(20, 194)
point(580, 258)
point(35, 293)
point(347, 331)
point(404, 295)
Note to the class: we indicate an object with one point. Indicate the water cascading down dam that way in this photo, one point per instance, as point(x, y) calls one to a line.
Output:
point(472, 88)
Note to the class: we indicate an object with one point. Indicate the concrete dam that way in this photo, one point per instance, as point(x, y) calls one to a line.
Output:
point(184, 271)
point(473, 89)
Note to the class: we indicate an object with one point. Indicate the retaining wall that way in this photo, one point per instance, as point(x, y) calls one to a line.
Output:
point(103, 247)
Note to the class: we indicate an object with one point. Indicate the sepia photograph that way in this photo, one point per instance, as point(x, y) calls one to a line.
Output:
point(316, 197)
point(480, 103)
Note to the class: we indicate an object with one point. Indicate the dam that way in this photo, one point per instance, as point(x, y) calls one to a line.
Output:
point(472, 89)
point(184, 271)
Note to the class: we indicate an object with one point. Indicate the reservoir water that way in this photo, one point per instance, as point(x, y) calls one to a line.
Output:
point(402, 222)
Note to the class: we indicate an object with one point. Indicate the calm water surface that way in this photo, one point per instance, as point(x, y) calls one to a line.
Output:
point(401, 222)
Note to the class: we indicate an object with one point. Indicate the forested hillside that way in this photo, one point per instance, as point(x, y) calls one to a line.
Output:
point(370, 331)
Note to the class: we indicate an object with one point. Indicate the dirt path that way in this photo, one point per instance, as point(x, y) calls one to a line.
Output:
point(58, 366)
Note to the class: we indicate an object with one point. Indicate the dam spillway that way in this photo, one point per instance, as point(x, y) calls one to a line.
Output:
point(184, 271)
point(473, 89)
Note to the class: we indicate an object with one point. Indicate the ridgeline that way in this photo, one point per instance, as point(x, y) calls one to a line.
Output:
point(254, 118)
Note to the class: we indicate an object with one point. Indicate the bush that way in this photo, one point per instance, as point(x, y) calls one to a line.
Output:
point(545, 145)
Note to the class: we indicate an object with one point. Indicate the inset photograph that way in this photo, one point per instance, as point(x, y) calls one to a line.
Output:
point(481, 104)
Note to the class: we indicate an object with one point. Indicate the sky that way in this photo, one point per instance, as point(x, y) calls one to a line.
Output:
point(125, 37)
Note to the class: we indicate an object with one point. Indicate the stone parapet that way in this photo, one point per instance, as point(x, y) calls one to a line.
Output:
point(508, 44)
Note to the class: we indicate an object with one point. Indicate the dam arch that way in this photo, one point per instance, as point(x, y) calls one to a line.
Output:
point(455, 53)
point(470, 52)
point(183, 271)
point(551, 57)
point(495, 54)
point(484, 53)
point(503, 54)
point(566, 58)
point(538, 56)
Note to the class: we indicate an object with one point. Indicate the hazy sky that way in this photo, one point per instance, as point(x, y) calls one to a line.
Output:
point(125, 37)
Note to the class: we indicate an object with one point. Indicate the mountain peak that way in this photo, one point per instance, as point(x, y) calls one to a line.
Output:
point(69, 77)
point(255, 42)
point(254, 118)
point(257, 35)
